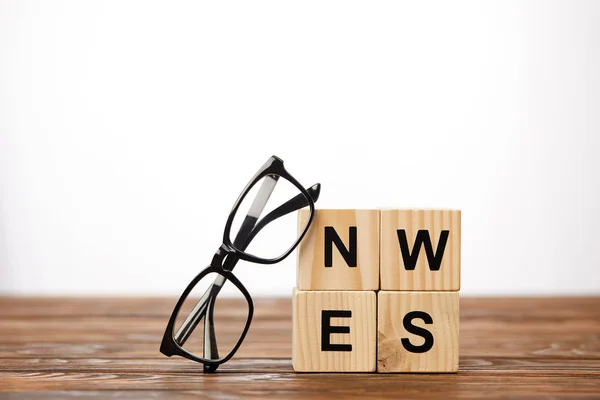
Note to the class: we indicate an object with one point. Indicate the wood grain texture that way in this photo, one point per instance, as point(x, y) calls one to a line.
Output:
point(107, 348)
point(307, 353)
point(393, 272)
point(312, 273)
point(393, 355)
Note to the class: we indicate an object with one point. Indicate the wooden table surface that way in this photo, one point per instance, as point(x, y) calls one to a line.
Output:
point(108, 348)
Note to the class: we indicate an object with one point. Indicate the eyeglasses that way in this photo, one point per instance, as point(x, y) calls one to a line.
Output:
point(274, 193)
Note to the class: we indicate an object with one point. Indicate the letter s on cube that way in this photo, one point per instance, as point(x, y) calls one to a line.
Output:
point(417, 331)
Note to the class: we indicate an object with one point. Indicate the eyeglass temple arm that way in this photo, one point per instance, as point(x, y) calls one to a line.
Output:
point(194, 317)
point(257, 207)
point(290, 206)
point(210, 348)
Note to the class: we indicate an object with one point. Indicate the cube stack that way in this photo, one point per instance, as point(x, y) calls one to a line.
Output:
point(377, 290)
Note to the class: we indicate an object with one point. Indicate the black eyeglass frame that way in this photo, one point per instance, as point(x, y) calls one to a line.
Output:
point(229, 253)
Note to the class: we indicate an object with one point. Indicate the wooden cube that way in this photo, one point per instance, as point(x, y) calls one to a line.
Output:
point(340, 250)
point(417, 331)
point(420, 250)
point(334, 331)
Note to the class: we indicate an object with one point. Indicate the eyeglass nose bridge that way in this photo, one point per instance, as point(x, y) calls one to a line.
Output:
point(220, 255)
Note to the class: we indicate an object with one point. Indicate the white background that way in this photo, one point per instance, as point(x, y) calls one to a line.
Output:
point(128, 128)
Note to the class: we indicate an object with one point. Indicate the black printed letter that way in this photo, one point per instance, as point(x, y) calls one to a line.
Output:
point(415, 330)
point(331, 237)
point(434, 260)
point(327, 329)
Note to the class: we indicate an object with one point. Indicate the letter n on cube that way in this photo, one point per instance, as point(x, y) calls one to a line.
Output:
point(340, 250)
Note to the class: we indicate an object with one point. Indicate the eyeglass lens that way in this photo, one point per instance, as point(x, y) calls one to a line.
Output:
point(212, 333)
point(275, 238)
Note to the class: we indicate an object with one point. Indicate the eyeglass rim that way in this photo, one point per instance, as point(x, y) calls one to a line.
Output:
point(273, 166)
point(170, 347)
